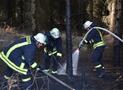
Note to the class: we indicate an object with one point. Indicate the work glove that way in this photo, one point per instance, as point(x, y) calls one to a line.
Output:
point(59, 54)
point(35, 67)
point(88, 42)
point(39, 68)
point(91, 41)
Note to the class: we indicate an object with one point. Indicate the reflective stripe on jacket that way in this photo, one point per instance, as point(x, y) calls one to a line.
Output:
point(12, 65)
point(98, 44)
point(97, 38)
point(101, 43)
point(20, 52)
point(28, 41)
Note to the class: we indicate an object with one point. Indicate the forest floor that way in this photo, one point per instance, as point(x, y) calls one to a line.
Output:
point(86, 80)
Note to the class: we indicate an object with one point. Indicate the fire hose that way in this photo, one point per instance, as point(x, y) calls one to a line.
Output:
point(100, 28)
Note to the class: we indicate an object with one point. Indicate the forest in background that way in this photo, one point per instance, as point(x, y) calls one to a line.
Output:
point(39, 15)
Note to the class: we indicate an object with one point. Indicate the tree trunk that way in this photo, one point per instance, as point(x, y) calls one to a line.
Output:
point(10, 8)
point(32, 16)
point(117, 43)
point(113, 16)
point(68, 39)
point(90, 9)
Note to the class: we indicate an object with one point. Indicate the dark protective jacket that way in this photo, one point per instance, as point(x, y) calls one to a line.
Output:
point(20, 53)
point(54, 46)
point(95, 37)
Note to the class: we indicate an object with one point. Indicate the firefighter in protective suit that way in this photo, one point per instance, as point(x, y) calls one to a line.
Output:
point(19, 57)
point(53, 50)
point(96, 39)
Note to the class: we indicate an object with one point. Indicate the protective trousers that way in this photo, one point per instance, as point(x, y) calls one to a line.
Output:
point(97, 60)
point(97, 55)
point(51, 62)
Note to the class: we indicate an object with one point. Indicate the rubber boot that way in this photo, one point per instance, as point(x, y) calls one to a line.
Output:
point(100, 72)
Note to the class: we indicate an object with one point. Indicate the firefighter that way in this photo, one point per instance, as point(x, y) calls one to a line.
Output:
point(19, 57)
point(96, 39)
point(53, 50)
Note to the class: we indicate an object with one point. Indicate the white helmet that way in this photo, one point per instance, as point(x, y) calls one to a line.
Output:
point(55, 33)
point(41, 38)
point(87, 24)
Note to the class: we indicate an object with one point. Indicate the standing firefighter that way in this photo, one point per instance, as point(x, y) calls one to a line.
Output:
point(95, 38)
point(53, 50)
point(19, 57)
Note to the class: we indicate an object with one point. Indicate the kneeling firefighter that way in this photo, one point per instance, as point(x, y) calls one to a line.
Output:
point(19, 57)
point(53, 50)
